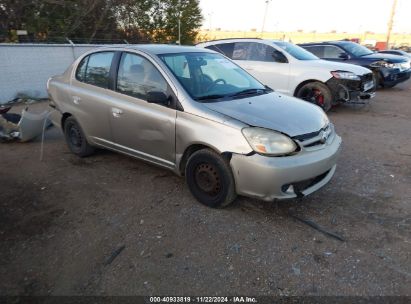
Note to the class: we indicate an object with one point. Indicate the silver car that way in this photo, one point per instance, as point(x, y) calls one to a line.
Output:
point(198, 114)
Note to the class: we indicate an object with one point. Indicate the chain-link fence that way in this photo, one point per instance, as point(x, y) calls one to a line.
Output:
point(72, 40)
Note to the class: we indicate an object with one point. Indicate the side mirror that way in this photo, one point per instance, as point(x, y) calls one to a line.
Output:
point(344, 56)
point(157, 97)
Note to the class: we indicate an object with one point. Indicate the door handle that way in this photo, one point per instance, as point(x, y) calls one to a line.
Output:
point(249, 69)
point(116, 112)
point(76, 100)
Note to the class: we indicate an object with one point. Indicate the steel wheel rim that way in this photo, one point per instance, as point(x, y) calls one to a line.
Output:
point(75, 137)
point(207, 179)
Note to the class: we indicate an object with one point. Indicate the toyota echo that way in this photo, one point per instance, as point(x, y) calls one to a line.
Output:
point(197, 113)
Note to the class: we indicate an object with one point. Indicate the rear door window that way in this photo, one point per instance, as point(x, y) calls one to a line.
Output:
point(97, 69)
point(242, 51)
point(224, 48)
point(317, 50)
point(253, 51)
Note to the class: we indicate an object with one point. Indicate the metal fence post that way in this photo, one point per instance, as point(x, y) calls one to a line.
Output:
point(72, 47)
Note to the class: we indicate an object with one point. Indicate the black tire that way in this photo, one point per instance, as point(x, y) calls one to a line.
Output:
point(75, 138)
point(210, 179)
point(316, 93)
point(379, 81)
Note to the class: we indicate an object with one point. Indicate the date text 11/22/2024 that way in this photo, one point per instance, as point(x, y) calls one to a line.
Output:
point(238, 299)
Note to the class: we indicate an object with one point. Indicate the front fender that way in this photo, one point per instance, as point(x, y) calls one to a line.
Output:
point(219, 136)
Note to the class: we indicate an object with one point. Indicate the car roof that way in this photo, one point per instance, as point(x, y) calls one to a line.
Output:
point(157, 49)
point(399, 51)
point(227, 40)
point(327, 42)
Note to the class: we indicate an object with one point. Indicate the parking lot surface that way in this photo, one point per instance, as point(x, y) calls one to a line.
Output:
point(112, 225)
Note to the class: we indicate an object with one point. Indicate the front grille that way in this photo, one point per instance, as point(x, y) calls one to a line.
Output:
point(316, 138)
point(365, 79)
point(305, 184)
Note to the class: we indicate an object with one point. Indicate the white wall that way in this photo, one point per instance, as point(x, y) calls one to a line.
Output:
point(25, 68)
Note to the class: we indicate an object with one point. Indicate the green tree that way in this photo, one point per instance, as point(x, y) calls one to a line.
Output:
point(189, 13)
point(60, 18)
point(141, 17)
point(159, 19)
point(88, 20)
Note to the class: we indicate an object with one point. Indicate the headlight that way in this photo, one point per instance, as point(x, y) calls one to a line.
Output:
point(345, 75)
point(404, 65)
point(382, 64)
point(269, 142)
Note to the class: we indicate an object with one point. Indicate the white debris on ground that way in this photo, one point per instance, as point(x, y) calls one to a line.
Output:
point(24, 127)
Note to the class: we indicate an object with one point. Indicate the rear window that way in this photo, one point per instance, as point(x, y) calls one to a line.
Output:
point(95, 68)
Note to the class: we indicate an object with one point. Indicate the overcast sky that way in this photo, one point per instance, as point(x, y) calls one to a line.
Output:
point(320, 15)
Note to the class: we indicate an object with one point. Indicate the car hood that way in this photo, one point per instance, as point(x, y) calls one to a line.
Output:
point(274, 111)
point(339, 66)
point(386, 57)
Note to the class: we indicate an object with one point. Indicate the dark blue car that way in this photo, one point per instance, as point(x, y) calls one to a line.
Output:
point(388, 69)
point(396, 52)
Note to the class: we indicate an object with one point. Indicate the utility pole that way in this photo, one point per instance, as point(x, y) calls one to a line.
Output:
point(391, 22)
point(179, 22)
point(267, 2)
point(179, 30)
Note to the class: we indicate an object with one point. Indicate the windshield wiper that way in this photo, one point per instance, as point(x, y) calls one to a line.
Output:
point(212, 96)
point(240, 93)
point(250, 92)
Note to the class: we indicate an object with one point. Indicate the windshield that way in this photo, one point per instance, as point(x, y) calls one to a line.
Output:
point(208, 76)
point(296, 51)
point(356, 49)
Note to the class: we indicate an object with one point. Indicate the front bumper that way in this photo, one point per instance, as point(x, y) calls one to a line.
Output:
point(391, 77)
point(346, 90)
point(269, 178)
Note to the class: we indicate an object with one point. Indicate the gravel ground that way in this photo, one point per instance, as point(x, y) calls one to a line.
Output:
point(112, 225)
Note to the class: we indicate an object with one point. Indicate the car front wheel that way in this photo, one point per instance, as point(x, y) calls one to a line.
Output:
point(316, 93)
point(209, 178)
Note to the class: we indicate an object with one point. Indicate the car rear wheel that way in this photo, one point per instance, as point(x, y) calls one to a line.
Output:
point(316, 93)
point(76, 139)
point(209, 178)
